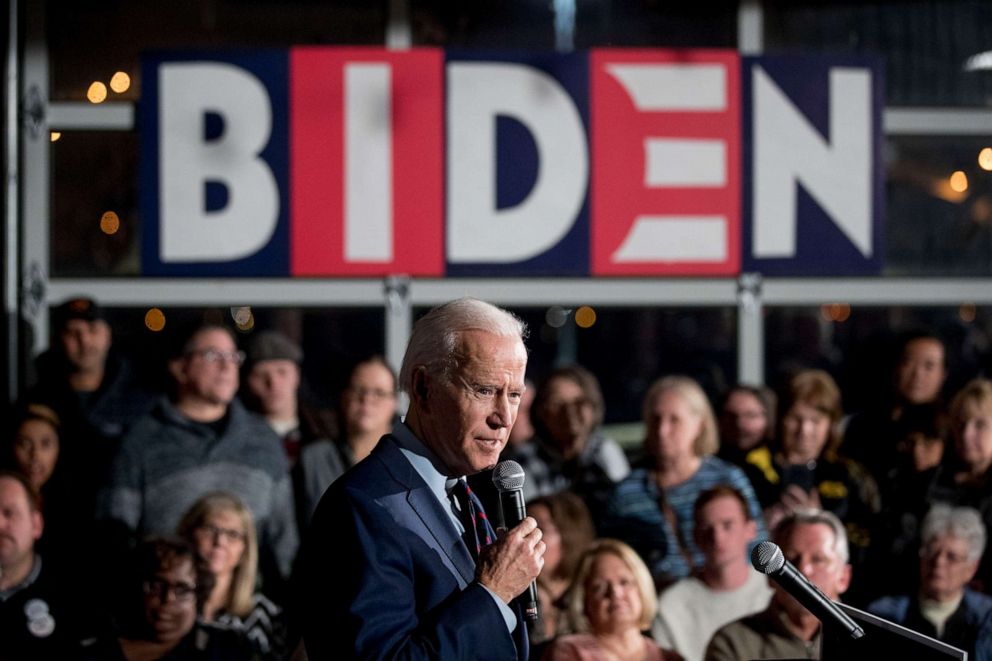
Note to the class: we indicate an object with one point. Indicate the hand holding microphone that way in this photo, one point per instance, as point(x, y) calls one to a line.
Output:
point(510, 566)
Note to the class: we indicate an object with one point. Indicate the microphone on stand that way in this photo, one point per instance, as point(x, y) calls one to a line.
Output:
point(508, 477)
point(768, 559)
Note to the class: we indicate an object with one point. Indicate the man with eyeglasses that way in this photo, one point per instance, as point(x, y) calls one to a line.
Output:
point(202, 440)
point(944, 608)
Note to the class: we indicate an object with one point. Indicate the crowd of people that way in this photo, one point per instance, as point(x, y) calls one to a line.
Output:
point(144, 525)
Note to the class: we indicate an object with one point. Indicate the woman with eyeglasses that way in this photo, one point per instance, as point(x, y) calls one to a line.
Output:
point(220, 528)
point(367, 411)
point(169, 585)
point(569, 450)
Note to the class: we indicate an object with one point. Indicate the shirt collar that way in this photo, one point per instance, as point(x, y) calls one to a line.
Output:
point(27, 582)
point(424, 461)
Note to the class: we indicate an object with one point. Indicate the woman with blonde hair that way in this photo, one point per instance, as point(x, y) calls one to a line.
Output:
point(652, 508)
point(220, 527)
point(611, 603)
point(966, 480)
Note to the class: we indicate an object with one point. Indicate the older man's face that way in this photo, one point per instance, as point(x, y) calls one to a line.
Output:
point(466, 418)
point(945, 567)
point(810, 547)
point(209, 370)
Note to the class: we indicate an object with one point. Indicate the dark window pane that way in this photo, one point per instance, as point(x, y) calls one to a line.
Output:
point(90, 40)
point(95, 172)
point(931, 228)
point(568, 24)
point(860, 352)
point(925, 44)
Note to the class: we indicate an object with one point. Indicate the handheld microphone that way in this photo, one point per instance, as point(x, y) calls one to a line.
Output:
point(768, 559)
point(508, 477)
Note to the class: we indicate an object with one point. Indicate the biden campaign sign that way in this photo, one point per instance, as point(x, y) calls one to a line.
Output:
point(321, 161)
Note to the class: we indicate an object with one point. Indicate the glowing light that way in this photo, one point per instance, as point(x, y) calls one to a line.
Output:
point(838, 312)
point(556, 316)
point(585, 317)
point(154, 320)
point(967, 312)
point(243, 318)
point(97, 93)
point(55, 135)
point(120, 82)
point(985, 159)
point(959, 181)
point(110, 222)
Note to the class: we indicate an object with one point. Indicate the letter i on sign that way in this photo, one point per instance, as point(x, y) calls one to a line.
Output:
point(366, 164)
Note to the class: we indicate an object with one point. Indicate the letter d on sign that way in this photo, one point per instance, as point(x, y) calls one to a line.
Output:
point(189, 160)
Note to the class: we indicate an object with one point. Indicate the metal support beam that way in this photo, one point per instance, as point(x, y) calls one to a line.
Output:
point(11, 200)
point(35, 178)
point(750, 330)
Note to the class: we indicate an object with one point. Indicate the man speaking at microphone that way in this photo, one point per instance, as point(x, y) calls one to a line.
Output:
point(400, 561)
point(816, 543)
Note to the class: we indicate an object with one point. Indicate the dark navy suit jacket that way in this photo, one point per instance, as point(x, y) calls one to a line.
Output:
point(385, 574)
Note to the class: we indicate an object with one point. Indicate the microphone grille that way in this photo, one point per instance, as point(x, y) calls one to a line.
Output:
point(508, 476)
point(767, 557)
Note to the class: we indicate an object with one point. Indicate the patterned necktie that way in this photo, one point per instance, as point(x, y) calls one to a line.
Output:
point(478, 531)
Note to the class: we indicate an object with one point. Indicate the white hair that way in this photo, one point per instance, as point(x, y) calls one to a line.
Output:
point(963, 522)
point(435, 335)
point(805, 516)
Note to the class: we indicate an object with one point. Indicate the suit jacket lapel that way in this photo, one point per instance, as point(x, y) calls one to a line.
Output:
point(438, 525)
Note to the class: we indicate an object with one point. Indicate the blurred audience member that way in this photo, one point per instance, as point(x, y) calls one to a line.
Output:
point(273, 390)
point(35, 445)
point(652, 509)
point(523, 427)
point(611, 602)
point(747, 421)
point(726, 587)
point(165, 593)
point(953, 540)
point(204, 440)
point(41, 616)
point(569, 450)
point(966, 480)
point(92, 390)
point(870, 436)
point(815, 542)
point(368, 410)
point(804, 470)
point(221, 530)
point(906, 493)
point(567, 531)
point(34, 449)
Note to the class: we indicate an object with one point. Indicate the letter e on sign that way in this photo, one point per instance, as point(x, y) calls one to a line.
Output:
point(666, 162)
